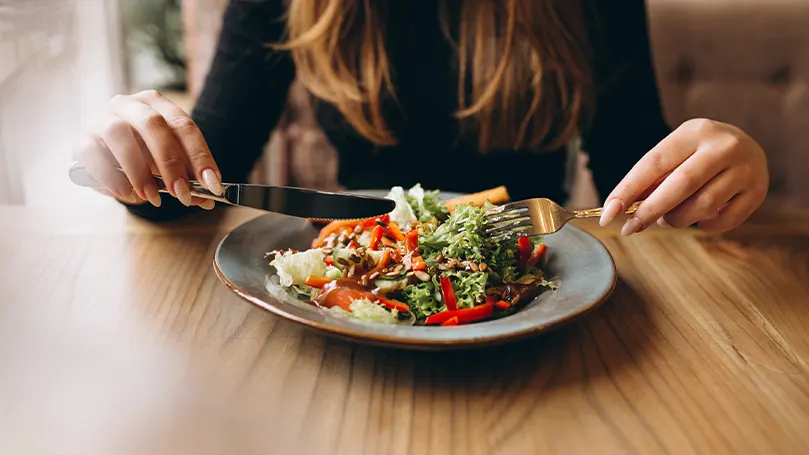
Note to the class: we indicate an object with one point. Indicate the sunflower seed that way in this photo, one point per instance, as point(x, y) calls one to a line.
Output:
point(327, 250)
point(373, 276)
point(392, 274)
point(482, 267)
point(410, 274)
point(351, 271)
point(364, 280)
point(473, 266)
point(423, 276)
point(399, 268)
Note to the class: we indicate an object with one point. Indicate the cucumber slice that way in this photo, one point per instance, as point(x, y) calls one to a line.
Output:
point(341, 254)
point(388, 285)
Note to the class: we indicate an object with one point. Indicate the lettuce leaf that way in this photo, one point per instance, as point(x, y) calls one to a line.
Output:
point(426, 205)
point(293, 268)
point(402, 214)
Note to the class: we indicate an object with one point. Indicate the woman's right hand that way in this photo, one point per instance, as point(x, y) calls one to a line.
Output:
point(145, 135)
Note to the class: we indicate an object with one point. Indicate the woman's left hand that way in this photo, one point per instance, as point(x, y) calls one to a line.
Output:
point(704, 172)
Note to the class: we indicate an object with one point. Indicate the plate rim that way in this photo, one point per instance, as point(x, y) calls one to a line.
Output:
point(405, 342)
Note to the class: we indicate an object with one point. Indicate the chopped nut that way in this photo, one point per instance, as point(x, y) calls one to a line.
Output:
point(473, 266)
point(440, 257)
point(373, 276)
point(482, 267)
point(423, 276)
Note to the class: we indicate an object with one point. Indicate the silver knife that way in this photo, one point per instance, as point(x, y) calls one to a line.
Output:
point(297, 202)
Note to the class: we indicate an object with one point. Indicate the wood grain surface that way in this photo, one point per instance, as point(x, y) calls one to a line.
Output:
point(116, 336)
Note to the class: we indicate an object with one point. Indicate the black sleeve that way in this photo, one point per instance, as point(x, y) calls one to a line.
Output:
point(628, 119)
point(244, 93)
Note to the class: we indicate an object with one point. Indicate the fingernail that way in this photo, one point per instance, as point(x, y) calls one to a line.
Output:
point(183, 192)
point(212, 182)
point(131, 198)
point(632, 226)
point(152, 194)
point(208, 205)
point(662, 223)
point(611, 210)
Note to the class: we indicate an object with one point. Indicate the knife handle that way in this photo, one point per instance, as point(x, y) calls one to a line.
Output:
point(81, 176)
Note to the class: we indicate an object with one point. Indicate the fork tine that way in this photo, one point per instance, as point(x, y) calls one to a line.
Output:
point(507, 217)
point(523, 223)
point(508, 207)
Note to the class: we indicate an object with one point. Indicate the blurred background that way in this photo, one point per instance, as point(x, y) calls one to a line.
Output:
point(741, 61)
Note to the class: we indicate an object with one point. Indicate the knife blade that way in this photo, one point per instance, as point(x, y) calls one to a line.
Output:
point(297, 202)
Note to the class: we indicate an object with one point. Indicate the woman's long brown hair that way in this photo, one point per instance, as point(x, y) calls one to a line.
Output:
point(524, 78)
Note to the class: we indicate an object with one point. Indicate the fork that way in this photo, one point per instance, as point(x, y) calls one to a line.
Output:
point(538, 216)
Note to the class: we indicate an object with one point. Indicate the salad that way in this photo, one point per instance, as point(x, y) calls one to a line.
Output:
point(423, 263)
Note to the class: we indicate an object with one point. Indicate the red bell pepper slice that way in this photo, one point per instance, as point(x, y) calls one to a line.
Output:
point(383, 262)
point(329, 260)
point(395, 232)
point(412, 240)
point(473, 314)
point(503, 305)
point(376, 237)
point(451, 321)
point(448, 294)
point(417, 264)
point(536, 254)
point(390, 303)
point(524, 246)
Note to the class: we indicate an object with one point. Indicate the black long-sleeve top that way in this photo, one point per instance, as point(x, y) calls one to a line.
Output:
point(245, 93)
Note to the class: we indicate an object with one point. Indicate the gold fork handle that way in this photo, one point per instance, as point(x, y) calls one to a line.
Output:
point(595, 213)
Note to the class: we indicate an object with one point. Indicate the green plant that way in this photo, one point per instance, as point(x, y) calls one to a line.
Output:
point(157, 25)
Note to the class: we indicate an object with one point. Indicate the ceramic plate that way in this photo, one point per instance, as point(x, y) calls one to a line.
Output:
point(577, 261)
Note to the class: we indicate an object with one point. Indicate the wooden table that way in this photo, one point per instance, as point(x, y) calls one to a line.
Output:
point(116, 337)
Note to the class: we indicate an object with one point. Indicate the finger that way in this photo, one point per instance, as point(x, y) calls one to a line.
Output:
point(190, 137)
point(651, 169)
point(735, 213)
point(161, 143)
point(207, 204)
point(686, 180)
point(95, 157)
point(707, 201)
point(120, 140)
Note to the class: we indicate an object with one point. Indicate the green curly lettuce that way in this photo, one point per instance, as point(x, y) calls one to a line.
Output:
point(462, 236)
point(426, 205)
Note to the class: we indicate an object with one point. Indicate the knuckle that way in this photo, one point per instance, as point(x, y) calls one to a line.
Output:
point(655, 160)
point(685, 179)
point(182, 124)
point(116, 128)
point(150, 94)
point(700, 125)
point(153, 121)
point(199, 156)
point(171, 161)
point(117, 99)
point(706, 201)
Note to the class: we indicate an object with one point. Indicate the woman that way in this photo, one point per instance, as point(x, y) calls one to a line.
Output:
point(456, 94)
